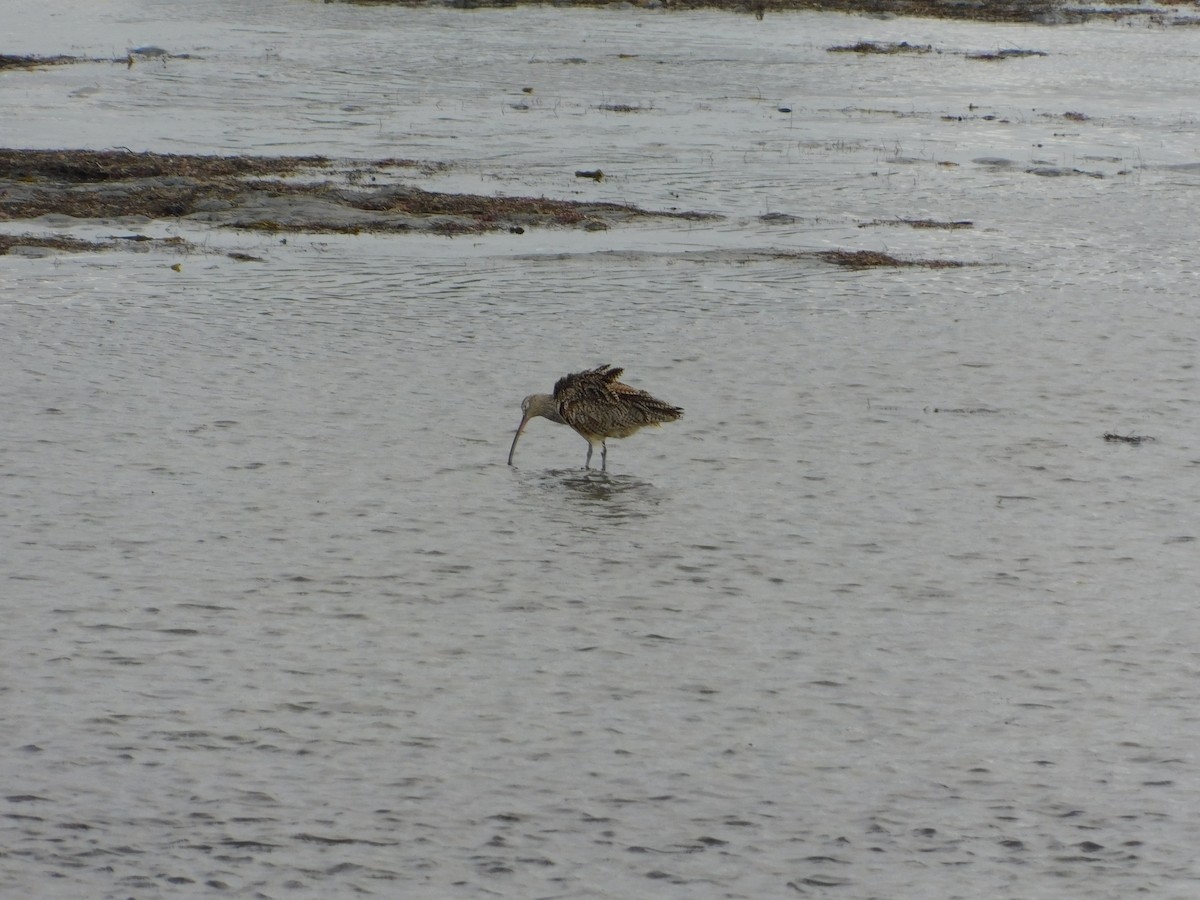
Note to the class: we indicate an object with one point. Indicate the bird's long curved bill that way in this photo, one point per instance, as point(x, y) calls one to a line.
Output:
point(513, 448)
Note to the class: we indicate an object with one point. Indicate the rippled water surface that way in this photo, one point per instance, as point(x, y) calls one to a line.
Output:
point(883, 616)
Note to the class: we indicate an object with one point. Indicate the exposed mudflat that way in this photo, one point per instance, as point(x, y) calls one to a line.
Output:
point(1048, 12)
point(246, 193)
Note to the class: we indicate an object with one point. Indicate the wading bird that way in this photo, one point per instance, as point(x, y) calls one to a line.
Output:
point(598, 407)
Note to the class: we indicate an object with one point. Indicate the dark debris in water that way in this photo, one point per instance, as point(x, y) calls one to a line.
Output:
point(962, 410)
point(33, 61)
point(891, 48)
point(882, 47)
point(922, 223)
point(1000, 55)
point(1127, 438)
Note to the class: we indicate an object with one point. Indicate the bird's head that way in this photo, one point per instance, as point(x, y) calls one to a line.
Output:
point(540, 405)
point(532, 406)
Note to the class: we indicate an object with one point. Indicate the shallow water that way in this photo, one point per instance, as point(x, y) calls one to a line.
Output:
point(883, 615)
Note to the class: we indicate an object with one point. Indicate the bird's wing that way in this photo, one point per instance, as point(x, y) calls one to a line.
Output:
point(593, 407)
point(570, 385)
point(608, 374)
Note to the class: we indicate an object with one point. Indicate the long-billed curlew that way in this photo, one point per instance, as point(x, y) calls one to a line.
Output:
point(598, 407)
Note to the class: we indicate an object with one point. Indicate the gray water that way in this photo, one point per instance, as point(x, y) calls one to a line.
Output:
point(883, 616)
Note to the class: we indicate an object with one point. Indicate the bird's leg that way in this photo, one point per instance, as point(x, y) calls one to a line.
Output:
point(587, 463)
point(603, 456)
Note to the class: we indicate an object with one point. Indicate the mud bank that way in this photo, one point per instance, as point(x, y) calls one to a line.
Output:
point(275, 194)
point(1047, 12)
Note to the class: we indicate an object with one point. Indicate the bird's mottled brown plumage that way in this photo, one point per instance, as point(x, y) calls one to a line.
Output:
point(598, 407)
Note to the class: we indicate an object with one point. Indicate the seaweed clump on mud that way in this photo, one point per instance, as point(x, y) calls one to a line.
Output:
point(1009, 53)
point(921, 223)
point(872, 259)
point(35, 243)
point(881, 47)
point(10, 61)
point(248, 192)
point(83, 166)
point(94, 184)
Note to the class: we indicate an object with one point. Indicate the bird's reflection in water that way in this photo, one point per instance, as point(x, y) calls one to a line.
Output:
point(602, 494)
